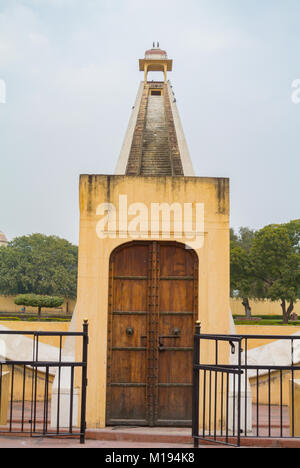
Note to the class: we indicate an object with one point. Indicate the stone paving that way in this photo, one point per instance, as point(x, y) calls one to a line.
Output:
point(134, 437)
point(28, 442)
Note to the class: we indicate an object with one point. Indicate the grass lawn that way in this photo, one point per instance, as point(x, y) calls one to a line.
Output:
point(263, 320)
point(23, 318)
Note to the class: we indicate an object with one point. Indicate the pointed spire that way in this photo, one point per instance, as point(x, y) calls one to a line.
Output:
point(154, 144)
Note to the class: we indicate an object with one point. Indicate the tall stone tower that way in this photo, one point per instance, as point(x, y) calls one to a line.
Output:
point(153, 259)
point(155, 144)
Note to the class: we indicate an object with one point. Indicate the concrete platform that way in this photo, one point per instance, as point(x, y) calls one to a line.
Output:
point(151, 435)
point(27, 442)
point(179, 437)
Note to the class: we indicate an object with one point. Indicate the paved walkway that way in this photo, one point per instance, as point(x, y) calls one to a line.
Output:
point(134, 437)
point(27, 442)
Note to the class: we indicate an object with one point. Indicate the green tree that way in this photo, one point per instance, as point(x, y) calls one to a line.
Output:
point(275, 259)
point(35, 300)
point(39, 264)
point(243, 283)
point(245, 238)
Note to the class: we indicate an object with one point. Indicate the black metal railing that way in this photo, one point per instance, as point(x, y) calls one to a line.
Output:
point(43, 394)
point(241, 390)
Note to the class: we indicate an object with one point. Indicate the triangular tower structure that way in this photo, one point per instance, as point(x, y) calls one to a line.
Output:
point(155, 144)
point(153, 259)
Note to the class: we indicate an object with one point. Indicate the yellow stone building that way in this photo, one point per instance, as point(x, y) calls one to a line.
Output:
point(153, 259)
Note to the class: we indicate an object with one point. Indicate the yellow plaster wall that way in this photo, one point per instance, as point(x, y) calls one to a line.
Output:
point(294, 410)
point(265, 330)
point(94, 255)
point(263, 381)
point(260, 307)
point(39, 326)
point(4, 396)
point(277, 383)
point(19, 370)
point(30, 376)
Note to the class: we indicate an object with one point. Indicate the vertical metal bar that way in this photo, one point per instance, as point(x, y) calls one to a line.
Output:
point(233, 406)
point(222, 401)
point(36, 380)
point(239, 394)
point(84, 381)
point(32, 384)
point(293, 389)
point(204, 404)
point(11, 398)
point(209, 413)
point(35, 396)
point(58, 388)
point(269, 401)
point(227, 404)
point(71, 399)
point(246, 387)
point(195, 402)
point(216, 404)
point(257, 403)
point(216, 392)
point(23, 398)
point(1, 388)
point(46, 401)
point(281, 431)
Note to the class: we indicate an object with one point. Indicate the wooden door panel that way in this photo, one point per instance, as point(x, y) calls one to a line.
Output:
point(176, 261)
point(175, 407)
point(177, 323)
point(153, 296)
point(128, 367)
point(132, 261)
point(129, 330)
point(127, 352)
point(175, 367)
point(177, 286)
point(130, 295)
point(129, 406)
point(176, 295)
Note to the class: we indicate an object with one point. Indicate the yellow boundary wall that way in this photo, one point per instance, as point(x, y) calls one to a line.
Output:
point(265, 330)
point(39, 326)
point(260, 307)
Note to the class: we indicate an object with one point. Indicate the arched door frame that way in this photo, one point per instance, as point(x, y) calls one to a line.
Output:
point(150, 345)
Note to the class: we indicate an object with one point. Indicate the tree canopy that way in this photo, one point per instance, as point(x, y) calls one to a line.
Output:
point(266, 265)
point(39, 264)
point(242, 282)
point(276, 260)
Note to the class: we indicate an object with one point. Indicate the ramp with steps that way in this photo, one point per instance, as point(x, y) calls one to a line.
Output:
point(156, 155)
point(154, 148)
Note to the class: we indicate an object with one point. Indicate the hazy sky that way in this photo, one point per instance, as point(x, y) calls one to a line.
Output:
point(71, 72)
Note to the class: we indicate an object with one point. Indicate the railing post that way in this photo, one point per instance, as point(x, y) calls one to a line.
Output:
point(195, 408)
point(239, 394)
point(84, 381)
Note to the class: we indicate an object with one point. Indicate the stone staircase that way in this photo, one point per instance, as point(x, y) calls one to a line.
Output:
point(156, 152)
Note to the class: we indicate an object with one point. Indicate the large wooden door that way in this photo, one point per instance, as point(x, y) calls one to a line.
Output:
point(152, 308)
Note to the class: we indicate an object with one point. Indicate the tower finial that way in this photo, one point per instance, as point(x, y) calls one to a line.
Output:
point(158, 45)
